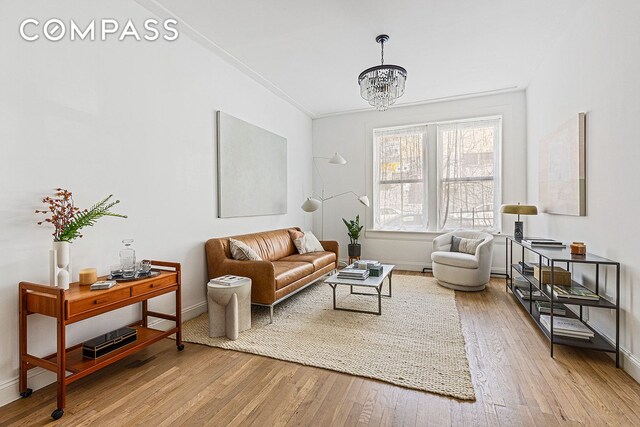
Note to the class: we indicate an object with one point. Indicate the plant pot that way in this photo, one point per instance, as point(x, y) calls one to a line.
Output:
point(355, 249)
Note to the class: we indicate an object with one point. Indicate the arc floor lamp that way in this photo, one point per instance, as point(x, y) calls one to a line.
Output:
point(315, 202)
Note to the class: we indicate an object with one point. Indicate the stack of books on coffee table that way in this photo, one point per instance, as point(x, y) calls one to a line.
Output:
point(353, 273)
point(567, 327)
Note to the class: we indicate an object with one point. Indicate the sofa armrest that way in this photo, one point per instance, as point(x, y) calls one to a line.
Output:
point(331, 246)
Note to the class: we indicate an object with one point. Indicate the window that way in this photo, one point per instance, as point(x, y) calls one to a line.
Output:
point(400, 190)
point(464, 189)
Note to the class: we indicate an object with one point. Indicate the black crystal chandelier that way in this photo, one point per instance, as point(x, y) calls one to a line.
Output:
point(383, 84)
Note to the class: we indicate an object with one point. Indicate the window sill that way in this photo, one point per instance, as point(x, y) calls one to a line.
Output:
point(410, 235)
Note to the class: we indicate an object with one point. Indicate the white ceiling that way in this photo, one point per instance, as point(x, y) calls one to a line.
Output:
point(313, 51)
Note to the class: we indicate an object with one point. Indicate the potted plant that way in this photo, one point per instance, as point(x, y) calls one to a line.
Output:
point(353, 231)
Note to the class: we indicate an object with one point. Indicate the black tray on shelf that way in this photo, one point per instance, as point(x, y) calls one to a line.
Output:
point(138, 276)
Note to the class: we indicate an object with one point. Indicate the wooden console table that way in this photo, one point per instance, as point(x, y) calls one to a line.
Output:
point(79, 303)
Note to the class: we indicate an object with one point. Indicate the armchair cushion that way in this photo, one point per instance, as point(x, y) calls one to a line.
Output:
point(455, 259)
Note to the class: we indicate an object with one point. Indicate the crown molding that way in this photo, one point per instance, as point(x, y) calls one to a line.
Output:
point(185, 28)
point(427, 101)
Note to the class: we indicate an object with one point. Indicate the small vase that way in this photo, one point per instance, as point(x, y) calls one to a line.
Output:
point(60, 264)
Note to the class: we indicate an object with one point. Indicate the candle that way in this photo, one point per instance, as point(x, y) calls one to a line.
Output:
point(88, 276)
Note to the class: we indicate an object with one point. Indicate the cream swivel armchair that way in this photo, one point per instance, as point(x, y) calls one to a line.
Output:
point(458, 270)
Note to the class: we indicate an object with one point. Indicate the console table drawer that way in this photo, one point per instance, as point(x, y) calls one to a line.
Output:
point(145, 288)
point(100, 300)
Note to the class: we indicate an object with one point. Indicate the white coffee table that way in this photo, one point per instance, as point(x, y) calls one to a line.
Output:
point(371, 282)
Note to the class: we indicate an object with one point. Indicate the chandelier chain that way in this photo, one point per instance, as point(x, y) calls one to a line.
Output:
point(382, 52)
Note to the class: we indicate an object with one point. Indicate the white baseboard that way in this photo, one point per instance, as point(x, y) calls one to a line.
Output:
point(187, 314)
point(39, 378)
point(36, 378)
point(417, 266)
point(630, 364)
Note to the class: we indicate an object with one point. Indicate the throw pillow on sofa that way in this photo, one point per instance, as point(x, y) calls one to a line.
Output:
point(467, 246)
point(295, 234)
point(242, 252)
point(308, 243)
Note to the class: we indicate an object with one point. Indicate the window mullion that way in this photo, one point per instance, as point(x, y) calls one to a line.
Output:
point(431, 185)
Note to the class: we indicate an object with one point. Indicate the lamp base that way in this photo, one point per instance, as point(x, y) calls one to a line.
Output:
point(518, 230)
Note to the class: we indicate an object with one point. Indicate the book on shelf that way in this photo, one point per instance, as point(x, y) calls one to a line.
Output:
point(544, 307)
point(525, 295)
point(574, 291)
point(526, 268)
point(353, 273)
point(522, 284)
point(566, 327)
point(543, 243)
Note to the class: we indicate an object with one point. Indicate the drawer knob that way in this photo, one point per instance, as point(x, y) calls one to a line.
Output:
point(100, 301)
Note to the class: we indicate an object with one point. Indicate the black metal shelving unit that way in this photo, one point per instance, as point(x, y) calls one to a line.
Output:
point(552, 257)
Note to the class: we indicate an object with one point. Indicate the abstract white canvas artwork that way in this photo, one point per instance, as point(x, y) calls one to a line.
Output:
point(252, 169)
point(562, 169)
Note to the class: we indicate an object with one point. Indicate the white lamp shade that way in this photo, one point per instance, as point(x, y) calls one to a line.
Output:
point(364, 200)
point(311, 205)
point(337, 159)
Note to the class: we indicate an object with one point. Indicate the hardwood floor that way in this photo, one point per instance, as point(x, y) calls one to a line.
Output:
point(516, 383)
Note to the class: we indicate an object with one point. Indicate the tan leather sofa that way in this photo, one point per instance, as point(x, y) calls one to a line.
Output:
point(282, 271)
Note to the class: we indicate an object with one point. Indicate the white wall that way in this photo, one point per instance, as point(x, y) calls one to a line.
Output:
point(594, 68)
point(351, 135)
point(130, 118)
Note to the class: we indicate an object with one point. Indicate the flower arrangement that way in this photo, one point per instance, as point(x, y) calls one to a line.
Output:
point(68, 220)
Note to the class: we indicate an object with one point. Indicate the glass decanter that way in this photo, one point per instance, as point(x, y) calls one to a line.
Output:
point(128, 259)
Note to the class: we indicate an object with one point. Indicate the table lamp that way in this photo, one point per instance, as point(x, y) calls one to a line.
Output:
point(518, 229)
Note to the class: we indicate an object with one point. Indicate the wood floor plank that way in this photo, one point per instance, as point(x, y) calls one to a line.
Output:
point(515, 380)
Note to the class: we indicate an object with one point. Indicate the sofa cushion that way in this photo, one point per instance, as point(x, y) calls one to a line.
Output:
point(287, 272)
point(455, 259)
point(318, 259)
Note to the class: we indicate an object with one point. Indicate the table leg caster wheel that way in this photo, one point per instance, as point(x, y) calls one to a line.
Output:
point(180, 347)
point(57, 414)
point(26, 393)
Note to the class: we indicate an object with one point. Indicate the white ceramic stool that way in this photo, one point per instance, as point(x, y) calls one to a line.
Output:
point(229, 308)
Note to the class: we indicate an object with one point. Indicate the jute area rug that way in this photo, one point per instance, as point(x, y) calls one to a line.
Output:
point(417, 342)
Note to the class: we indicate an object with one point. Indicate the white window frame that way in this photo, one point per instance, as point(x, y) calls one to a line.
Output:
point(431, 176)
point(425, 174)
